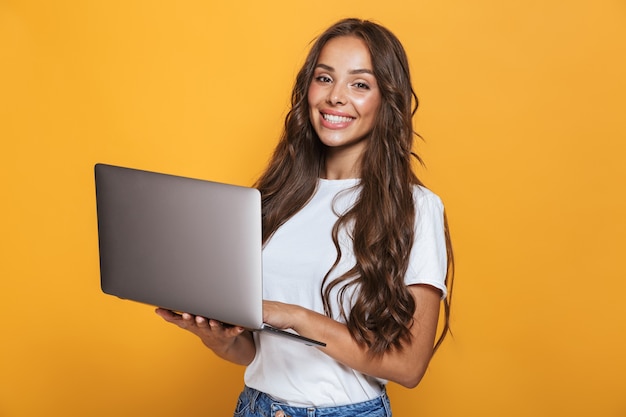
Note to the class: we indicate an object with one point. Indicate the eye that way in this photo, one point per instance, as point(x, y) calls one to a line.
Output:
point(323, 79)
point(361, 85)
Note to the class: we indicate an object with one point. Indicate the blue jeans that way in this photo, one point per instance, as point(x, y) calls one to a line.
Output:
point(253, 403)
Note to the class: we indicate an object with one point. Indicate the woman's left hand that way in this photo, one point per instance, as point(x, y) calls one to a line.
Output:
point(280, 315)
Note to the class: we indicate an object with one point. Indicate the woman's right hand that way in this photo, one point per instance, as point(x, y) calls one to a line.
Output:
point(232, 343)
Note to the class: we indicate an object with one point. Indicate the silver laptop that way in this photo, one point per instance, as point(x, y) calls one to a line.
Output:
point(183, 244)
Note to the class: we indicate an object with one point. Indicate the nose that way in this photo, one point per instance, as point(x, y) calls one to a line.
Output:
point(337, 95)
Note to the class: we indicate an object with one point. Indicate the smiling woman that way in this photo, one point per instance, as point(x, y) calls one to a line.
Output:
point(356, 250)
point(344, 100)
point(523, 119)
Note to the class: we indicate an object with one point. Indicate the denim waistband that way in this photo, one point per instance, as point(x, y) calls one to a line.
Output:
point(254, 403)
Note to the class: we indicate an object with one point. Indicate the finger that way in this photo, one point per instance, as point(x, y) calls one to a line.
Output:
point(233, 331)
point(202, 322)
point(167, 315)
point(163, 312)
point(214, 324)
point(237, 330)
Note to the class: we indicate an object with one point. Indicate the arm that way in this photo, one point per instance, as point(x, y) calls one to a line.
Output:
point(234, 344)
point(406, 367)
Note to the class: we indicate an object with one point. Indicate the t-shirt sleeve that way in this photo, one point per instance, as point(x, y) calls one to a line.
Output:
point(428, 260)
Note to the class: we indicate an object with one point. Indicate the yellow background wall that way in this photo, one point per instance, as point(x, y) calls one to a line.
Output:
point(523, 111)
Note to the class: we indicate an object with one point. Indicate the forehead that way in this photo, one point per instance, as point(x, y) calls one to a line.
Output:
point(346, 51)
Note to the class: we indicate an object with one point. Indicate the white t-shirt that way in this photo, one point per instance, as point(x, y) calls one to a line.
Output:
point(295, 261)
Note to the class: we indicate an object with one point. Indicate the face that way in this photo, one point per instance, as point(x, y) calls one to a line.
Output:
point(343, 96)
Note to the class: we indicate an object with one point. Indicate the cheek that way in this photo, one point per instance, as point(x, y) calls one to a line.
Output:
point(313, 95)
point(368, 106)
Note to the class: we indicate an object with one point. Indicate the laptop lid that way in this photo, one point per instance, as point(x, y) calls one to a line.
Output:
point(182, 244)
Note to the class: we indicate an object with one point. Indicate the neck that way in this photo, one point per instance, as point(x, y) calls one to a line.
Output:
point(341, 165)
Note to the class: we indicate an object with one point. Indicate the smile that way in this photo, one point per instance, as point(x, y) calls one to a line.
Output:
point(336, 119)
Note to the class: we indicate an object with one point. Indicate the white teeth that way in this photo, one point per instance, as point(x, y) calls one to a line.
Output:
point(336, 119)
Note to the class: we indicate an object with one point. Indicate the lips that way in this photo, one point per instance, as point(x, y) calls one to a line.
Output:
point(336, 119)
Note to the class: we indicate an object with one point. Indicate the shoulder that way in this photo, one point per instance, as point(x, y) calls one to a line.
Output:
point(426, 199)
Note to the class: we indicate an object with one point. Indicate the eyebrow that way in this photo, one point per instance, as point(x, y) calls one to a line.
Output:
point(354, 71)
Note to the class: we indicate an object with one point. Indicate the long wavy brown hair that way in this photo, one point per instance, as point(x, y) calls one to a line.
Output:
point(382, 220)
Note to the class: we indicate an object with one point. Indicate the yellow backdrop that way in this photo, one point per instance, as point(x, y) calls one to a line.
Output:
point(522, 111)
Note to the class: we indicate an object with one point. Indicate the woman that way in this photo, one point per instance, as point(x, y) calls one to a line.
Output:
point(356, 251)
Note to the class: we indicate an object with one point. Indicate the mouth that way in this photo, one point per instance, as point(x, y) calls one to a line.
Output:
point(335, 119)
